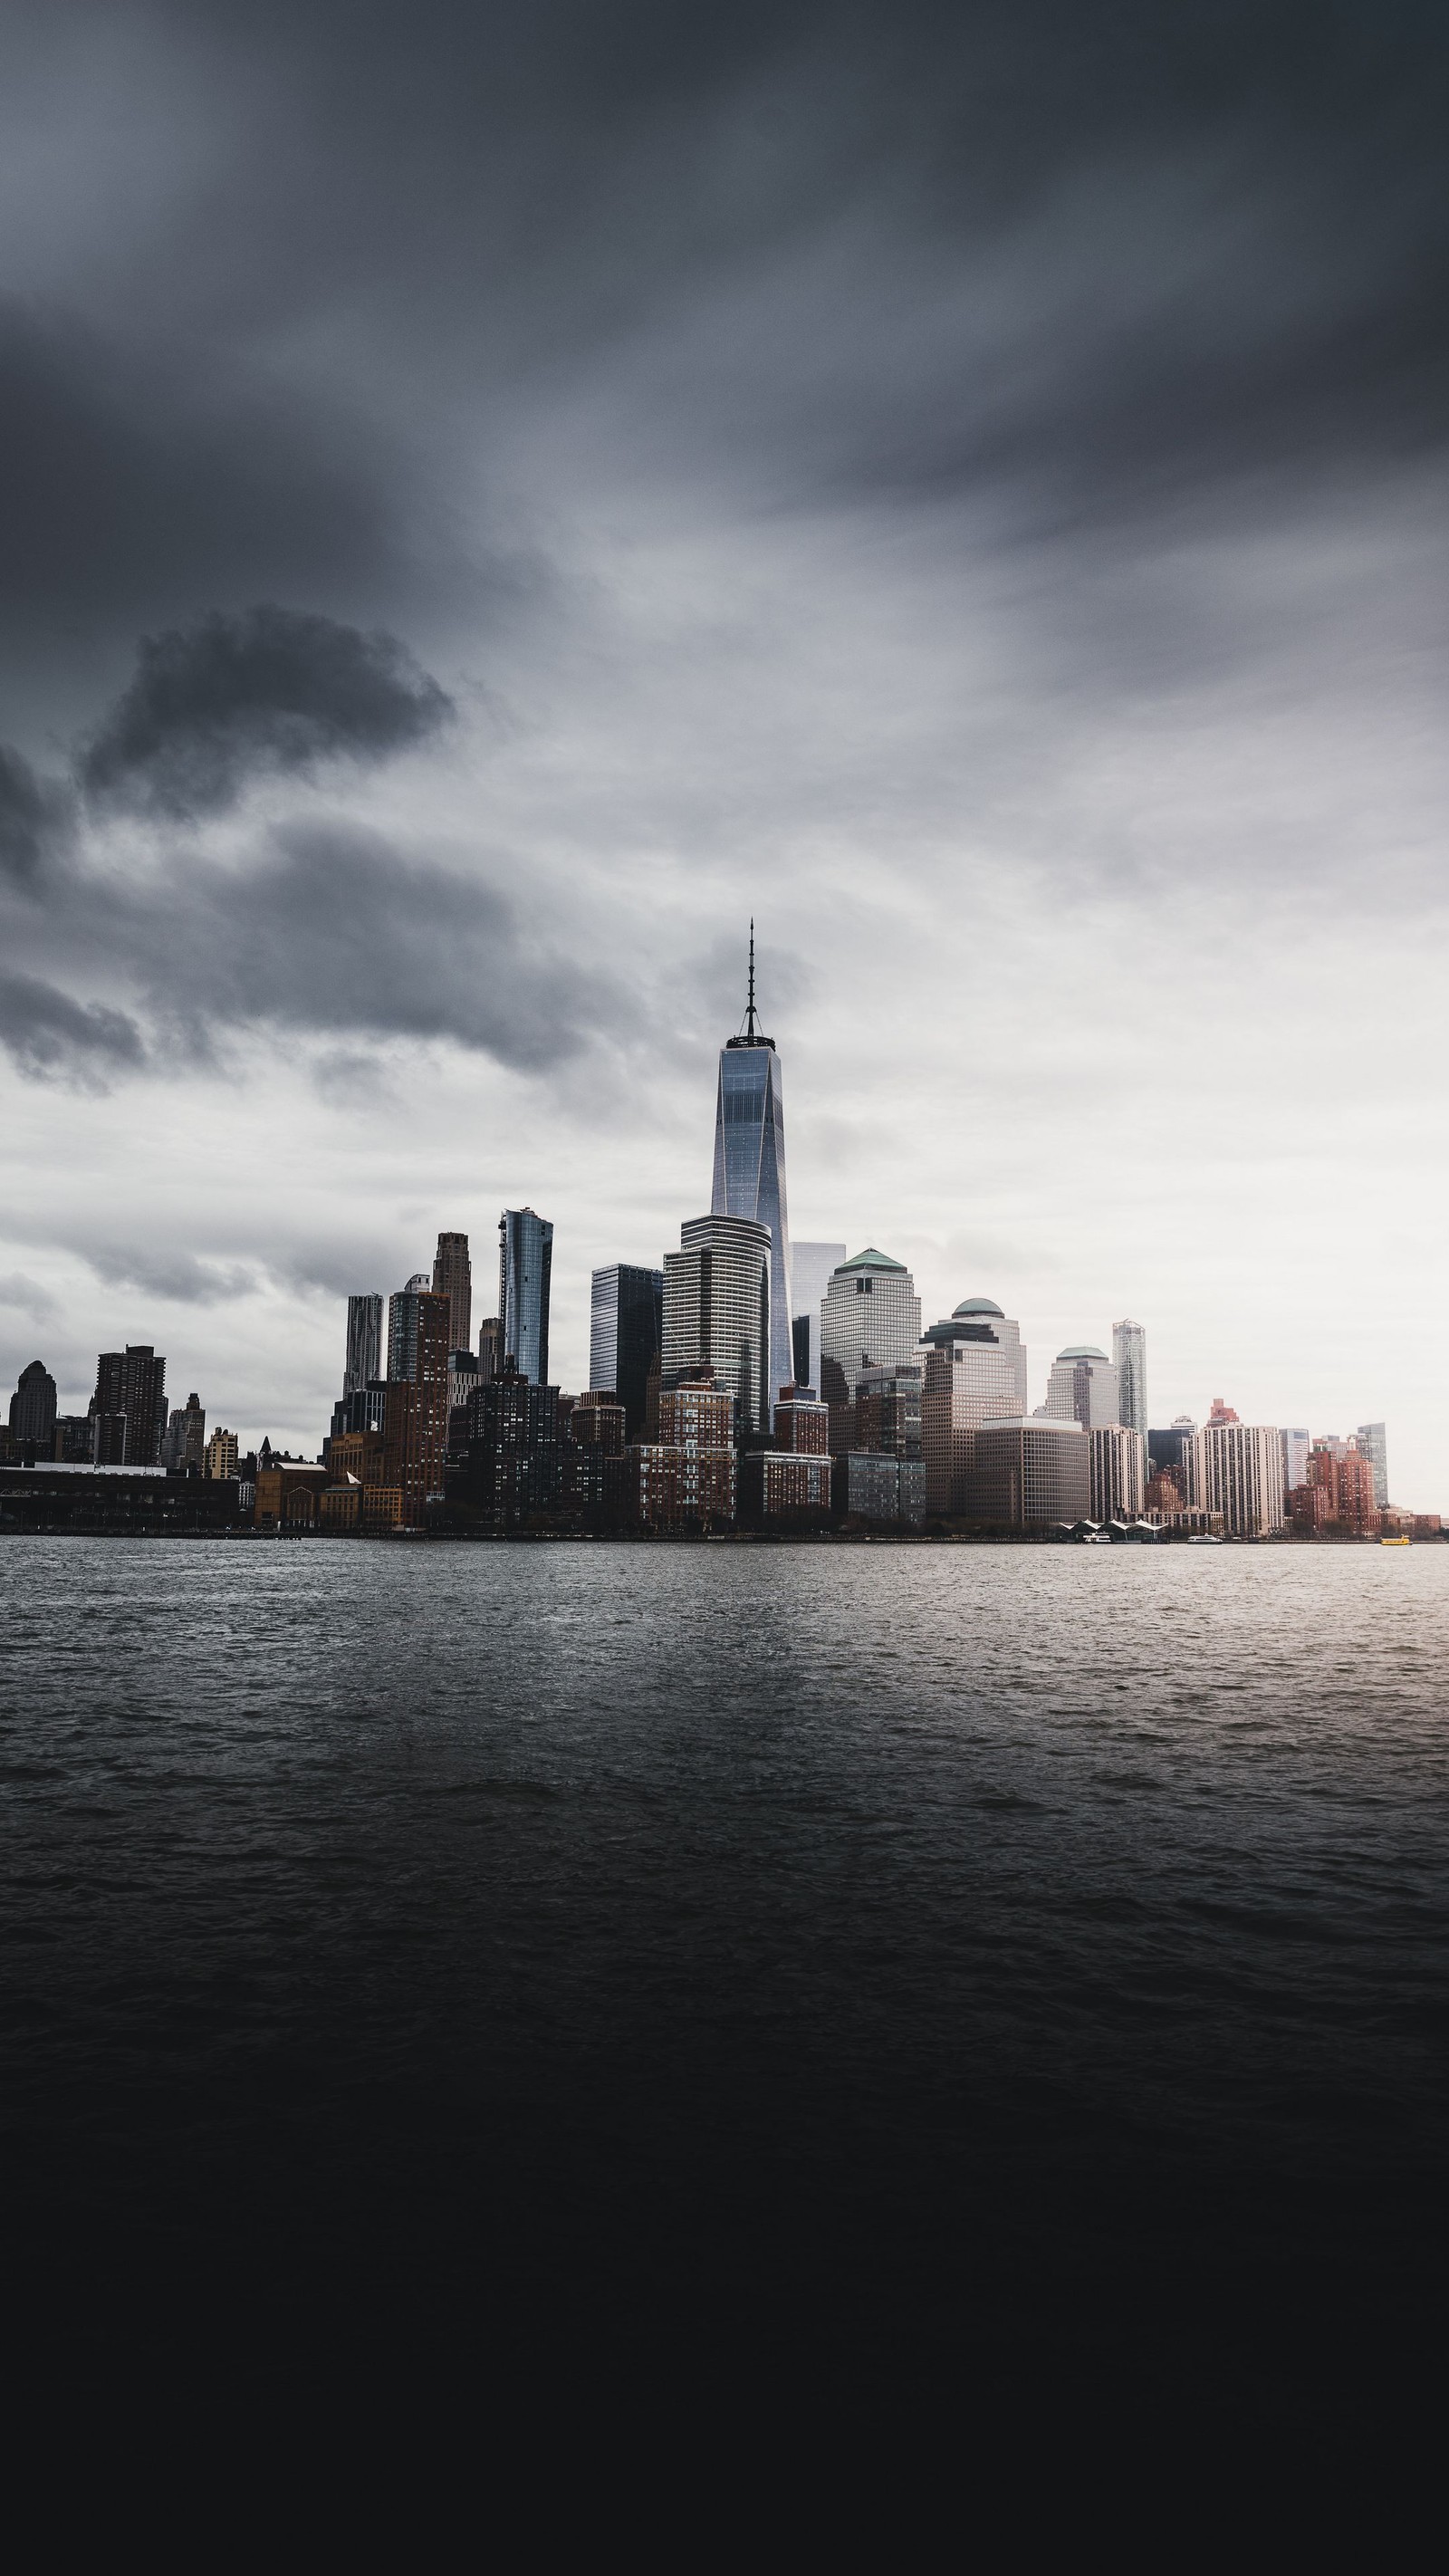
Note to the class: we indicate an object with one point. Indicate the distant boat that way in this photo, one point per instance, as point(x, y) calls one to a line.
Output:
point(1396, 1542)
point(1096, 1538)
point(1204, 1538)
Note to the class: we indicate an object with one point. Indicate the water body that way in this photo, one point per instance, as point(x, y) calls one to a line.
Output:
point(926, 1973)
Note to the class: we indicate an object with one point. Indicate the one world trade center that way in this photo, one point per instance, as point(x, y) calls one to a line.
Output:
point(749, 1164)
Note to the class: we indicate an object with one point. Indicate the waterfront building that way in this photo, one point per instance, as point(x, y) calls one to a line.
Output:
point(490, 1346)
point(1119, 1472)
point(74, 1439)
point(1373, 1441)
point(975, 1371)
point(1083, 1386)
point(888, 1412)
point(870, 1317)
point(365, 1409)
point(749, 1168)
point(32, 1409)
point(1233, 1471)
point(788, 1487)
point(874, 1485)
point(802, 1423)
point(415, 1411)
point(525, 1271)
point(183, 1449)
point(1344, 1473)
point(1165, 1448)
point(364, 1342)
point(128, 1409)
point(687, 1477)
point(1129, 1358)
point(288, 1492)
point(1030, 1472)
point(1296, 1448)
point(592, 1442)
point(716, 1312)
point(626, 1319)
point(453, 1279)
point(811, 1268)
point(507, 1467)
point(221, 1455)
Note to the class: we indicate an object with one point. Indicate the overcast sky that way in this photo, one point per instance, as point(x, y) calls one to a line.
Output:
point(491, 497)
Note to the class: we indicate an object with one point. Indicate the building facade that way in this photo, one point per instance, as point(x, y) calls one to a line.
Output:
point(525, 1274)
point(507, 1468)
point(870, 1317)
point(749, 1165)
point(1030, 1473)
point(626, 1322)
point(716, 1311)
point(1119, 1472)
point(453, 1279)
point(1129, 1358)
point(32, 1409)
point(184, 1448)
point(1297, 1446)
point(975, 1369)
point(222, 1451)
point(415, 1411)
point(128, 1409)
point(1083, 1386)
point(872, 1485)
point(1233, 1471)
point(1373, 1442)
point(364, 1342)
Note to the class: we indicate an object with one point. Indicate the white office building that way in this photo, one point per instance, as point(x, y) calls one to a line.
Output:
point(1373, 1440)
point(1296, 1448)
point(1083, 1387)
point(975, 1371)
point(1235, 1470)
point(1119, 1472)
point(870, 1317)
point(1129, 1358)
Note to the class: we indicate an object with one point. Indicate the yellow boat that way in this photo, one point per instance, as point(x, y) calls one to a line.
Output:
point(1396, 1542)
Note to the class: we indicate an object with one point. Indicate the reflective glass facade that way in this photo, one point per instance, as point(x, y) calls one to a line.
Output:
point(749, 1176)
point(624, 1328)
point(364, 1342)
point(525, 1271)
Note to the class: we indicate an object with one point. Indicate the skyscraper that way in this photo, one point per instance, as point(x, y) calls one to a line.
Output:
point(364, 1342)
point(128, 1409)
point(1373, 1441)
point(1129, 1356)
point(625, 1327)
point(975, 1372)
point(184, 1444)
point(1082, 1387)
point(870, 1317)
point(717, 1312)
point(525, 1269)
point(453, 1279)
point(32, 1407)
point(811, 1265)
point(749, 1165)
point(1296, 1447)
point(415, 1419)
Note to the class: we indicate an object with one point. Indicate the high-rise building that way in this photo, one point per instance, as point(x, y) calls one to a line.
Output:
point(811, 1268)
point(128, 1409)
point(975, 1372)
point(790, 1483)
point(221, 1455)
point(802, 1423)
point(1165, 1448)
point(490, 1347)
point(1083, 1387)
point(1030, 1473)
point(184, 1446)
point(1129, 1358)
point(1296, 1448)
point(1234, 1471)
point(626, 1316)
point(1119, 1472)
point(507, 1468)
point(749, 1164)
point(402, 1330)
point(453, 1279)
point(1373, 1441)
point(870, 1317)
point(415, 1419)
point(364, 1342)
point(525, 1271)
point(888, 1412)
point(716, 1311)
point(32, 1407)
point(687, 1478)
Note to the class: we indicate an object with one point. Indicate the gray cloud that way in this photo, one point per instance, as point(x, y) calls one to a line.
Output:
point(35, 817)
point(173, 1274)
point(272, 691)
point(28, 1297)
point(48, 1034)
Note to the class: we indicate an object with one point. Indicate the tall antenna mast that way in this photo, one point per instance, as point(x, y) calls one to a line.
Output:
point(750, 1014)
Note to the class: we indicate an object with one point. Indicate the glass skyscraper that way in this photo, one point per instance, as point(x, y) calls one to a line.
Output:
point(1129, 1354)
point(525, 1270)
point(624, 1332)
point(749, 1167)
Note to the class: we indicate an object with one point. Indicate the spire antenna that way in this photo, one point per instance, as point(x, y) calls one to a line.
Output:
point(750, 1015)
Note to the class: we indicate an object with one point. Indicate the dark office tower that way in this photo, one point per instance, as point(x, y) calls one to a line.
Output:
point(453, 1279)
point(364, 1343)
point(508, 1465)
point(402, 1326)
point(525, 1266)
point(749, 1165)
point(183, 1446)
point(32, 1407)
point(490, 1347)
point(626, 1315)
point(717, 1313)
point(415, 1424)
point(128, 1408)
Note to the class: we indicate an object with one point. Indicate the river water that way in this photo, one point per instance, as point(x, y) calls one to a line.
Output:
point(879, 1968)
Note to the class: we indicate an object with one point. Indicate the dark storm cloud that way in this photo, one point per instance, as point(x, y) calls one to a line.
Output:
point(179, 1276)
point(48, 1034)
point(35, 816)
point(270, 691)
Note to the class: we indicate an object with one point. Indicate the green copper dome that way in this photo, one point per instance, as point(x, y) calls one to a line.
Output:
point(872, 1261)
point(977, 1306)
point(1081, 1351)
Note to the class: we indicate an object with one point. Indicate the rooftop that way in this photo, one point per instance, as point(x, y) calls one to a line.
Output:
point(977, 1306)
point(872, 1260)
point(1081, 1351)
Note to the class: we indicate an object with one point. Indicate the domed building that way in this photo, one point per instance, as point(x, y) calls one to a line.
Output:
point(975, 1371)
point(1083, 1387)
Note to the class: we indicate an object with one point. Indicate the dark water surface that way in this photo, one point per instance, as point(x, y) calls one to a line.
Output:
point(875, 1970)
